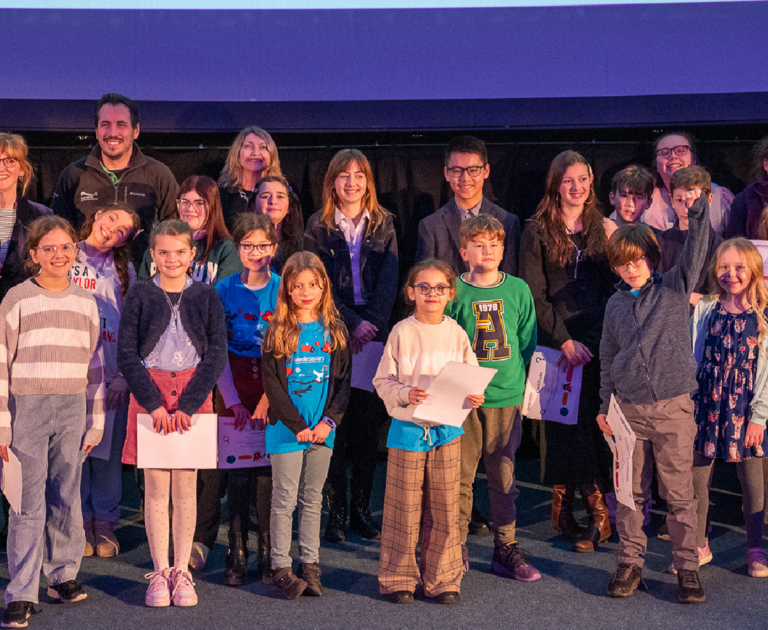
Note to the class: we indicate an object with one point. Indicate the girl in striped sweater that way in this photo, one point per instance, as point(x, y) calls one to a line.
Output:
point(51, 415)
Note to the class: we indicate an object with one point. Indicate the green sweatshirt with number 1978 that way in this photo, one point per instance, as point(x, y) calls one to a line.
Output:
point(500, 321)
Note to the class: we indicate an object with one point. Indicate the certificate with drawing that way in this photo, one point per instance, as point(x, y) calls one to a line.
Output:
point(551, 393)
point(622, 445)
point(241, 449)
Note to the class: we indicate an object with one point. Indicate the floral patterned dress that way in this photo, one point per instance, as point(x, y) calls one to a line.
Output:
point(726, 386)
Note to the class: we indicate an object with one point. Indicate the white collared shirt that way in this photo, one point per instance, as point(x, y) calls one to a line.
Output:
point(353, 234)
point(471, 212)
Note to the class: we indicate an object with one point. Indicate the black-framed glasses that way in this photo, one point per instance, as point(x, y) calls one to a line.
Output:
point(680, 150)
point(426, 289)
point(472, 171)
point(264, 248)
point(198, 205)
point(50, 250)
point(9, 162)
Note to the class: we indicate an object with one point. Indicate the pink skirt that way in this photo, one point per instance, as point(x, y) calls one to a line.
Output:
point(171, 385)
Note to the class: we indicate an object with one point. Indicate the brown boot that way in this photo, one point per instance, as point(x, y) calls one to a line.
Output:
point(562, 513)
point(265, 559)
point(599, 529)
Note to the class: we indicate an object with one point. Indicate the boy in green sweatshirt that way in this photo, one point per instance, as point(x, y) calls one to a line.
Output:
point(496, 311)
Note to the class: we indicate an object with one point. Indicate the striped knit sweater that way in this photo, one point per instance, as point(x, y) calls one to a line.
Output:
point(49, 345)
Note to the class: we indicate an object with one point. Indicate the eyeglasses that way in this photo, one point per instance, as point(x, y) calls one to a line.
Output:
point(9, 162)
point(198, 205)
point(472, 171)
point(50, 250)
point(679, 150)
point(426, 289)
point(632, 264)
point(265, 248)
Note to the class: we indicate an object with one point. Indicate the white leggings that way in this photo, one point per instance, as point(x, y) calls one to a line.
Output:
point(181, 487)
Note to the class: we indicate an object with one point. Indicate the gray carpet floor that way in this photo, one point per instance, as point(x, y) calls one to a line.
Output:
point(571, 593)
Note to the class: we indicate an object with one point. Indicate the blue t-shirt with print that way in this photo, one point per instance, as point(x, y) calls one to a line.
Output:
point(307, 372)
point(410, 436)
point(247, 312)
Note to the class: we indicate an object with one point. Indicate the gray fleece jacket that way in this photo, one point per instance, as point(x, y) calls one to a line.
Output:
point(645, 350)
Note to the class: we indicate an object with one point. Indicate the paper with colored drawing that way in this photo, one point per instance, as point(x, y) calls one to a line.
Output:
point(551, 393)
point(241, 449)
point(622, 445)
point(193, 449)
point(10, 483)
point(447, 400)
point(762, 247)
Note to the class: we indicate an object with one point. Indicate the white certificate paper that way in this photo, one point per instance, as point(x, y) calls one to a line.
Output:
point(241, 449)
point(446, 403)
point(102, 449)
point(622, 445)
point(364, 365)
point(550, 393)
point(195, 448)
point(11, 481)
point(762, 247)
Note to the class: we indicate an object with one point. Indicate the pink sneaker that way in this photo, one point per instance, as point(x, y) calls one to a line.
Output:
point(756, 564)
point(705, 557)
point(183, 588)
point(158, 593)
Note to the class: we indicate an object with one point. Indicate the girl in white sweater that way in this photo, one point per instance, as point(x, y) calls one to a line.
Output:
point(424, 458)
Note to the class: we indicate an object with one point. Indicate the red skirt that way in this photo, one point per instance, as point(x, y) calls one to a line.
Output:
point(171, 385)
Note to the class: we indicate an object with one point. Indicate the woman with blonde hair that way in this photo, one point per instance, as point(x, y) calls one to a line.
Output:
point(355, 238)
point(251, 158)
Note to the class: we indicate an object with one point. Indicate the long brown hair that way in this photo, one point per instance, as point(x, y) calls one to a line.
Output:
point(549, 216)
point(370, 202)
point(215, 229)
point(292, 226)
point(232, 174)
point(122, 253)
point(282, 336)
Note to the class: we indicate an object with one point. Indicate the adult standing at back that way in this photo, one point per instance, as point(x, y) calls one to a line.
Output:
point(671, 152)
point(565, 265)
point(749, 204)
point(466, 169)
point(116, 171)
point(251, 158)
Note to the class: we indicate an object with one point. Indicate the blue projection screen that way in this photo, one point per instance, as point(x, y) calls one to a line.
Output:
point(548, 54)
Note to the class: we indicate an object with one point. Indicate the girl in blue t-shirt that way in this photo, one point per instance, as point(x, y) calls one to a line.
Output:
point(306, 377)
point(249, 299)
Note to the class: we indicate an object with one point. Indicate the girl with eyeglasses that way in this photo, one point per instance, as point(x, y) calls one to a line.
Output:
point(249, 300)
point(671, 152)
point(563, 260)
point(355, 238)
point(199, 207)
point(424, 460)
point(51, 416)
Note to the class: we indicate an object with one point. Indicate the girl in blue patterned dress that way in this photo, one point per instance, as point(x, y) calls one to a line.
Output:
point(731, 345)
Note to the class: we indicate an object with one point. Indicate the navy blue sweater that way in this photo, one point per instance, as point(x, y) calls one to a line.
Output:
point(144, 318)
point(645, 351)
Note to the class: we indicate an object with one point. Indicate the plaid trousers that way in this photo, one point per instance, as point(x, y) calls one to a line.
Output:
point(422, 490)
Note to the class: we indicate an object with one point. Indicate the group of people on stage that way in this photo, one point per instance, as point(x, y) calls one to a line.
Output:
point(134, 295)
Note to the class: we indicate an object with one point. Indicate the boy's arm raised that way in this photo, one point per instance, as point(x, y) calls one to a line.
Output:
point(685, 274)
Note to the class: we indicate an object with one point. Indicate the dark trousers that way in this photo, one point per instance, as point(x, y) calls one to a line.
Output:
point(210, 490)
point(243, 485)
point(357, 441)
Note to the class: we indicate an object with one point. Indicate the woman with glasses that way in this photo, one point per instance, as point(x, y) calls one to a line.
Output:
point(355, 238)
point(671, 152)
point(746, 216)
point(216, 258)
point(251, 158)
point(563, 260)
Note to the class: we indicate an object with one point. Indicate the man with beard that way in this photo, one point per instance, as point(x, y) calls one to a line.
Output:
point(117, 171)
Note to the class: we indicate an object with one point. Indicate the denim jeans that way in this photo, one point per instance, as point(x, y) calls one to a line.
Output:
point(297, 477)
point(102, 485)
point(48, 432)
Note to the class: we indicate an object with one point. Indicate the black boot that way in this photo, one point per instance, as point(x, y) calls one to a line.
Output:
point(478, 524)
point(265, 558)
point(236, 567)
point(335, 530)
point(360, 520)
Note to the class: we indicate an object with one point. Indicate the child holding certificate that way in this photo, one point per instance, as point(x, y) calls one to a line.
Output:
point(171, 349)
point(424, 461)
